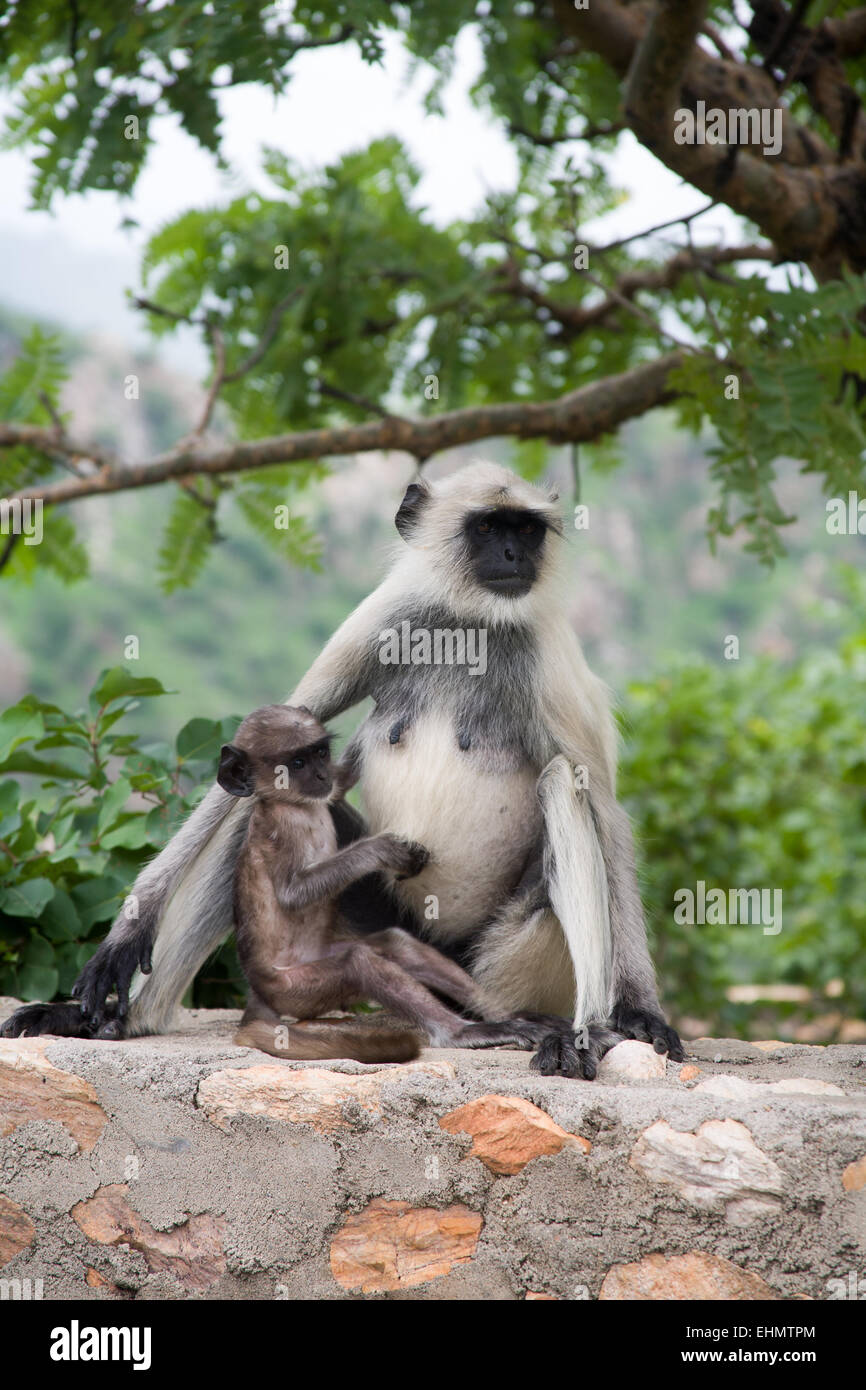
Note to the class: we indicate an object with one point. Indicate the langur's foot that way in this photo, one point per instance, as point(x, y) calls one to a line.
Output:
point(563, 1052)
point(645, 1026)
point(62, 1020)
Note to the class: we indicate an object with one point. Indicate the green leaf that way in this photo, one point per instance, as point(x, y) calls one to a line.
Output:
point(130, 832)
point(97, 899)
point(37, 982)
point(186, 543)
point(117, 683)
point(17, 725)
point(59, 919)
point(200, 739)
point(26, 899)
point(112, 803)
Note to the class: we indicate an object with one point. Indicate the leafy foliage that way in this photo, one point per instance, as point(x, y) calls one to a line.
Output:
point(92, 807)
point(755, 777)
point(796, 356)
point(370, 300)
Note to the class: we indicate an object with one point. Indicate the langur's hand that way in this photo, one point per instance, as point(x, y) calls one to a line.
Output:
point(111, 968)
point(345, 777)
point(405, 858)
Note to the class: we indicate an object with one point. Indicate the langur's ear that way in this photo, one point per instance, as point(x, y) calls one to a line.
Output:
point(409, 511)
point(235, 772)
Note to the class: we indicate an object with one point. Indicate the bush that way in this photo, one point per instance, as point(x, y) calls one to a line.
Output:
point(102, 804)
point(755, 777)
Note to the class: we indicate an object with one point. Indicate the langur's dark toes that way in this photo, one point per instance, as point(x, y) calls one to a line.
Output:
point(112, 1030)
point(648, 1027)
point(558, 1055)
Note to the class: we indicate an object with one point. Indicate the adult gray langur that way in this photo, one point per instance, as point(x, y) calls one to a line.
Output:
point(503, 767)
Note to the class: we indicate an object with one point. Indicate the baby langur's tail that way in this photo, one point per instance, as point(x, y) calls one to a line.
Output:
point(315, 1040)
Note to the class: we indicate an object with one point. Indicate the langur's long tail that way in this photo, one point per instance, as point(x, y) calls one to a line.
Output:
point(315, 1040)
point(577, 887)
point(187, 893)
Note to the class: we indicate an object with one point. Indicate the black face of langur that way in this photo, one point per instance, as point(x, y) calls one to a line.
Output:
point(279, 754)
point(505, 547)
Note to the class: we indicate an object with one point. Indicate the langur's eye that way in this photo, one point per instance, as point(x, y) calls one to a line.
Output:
point(322, 753)
point(298, 763)
point(484, 527)
point(528, 528)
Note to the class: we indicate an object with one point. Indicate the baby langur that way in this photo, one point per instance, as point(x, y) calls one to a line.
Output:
point(299, 957)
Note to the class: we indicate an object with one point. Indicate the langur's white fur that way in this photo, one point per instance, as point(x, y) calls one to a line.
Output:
point(520, 964)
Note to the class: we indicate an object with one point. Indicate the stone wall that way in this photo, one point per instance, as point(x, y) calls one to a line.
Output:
point(182, 1166)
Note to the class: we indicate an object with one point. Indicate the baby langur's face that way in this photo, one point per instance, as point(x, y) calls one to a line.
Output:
point(281, 754)
point(310, 773)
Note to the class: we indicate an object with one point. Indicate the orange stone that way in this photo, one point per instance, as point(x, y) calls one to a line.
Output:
point(31, 1088)
point(693, 1276)
point(192, 1252)
point(392, 1245)
point(854, 1176)
point(689, 1073)
point(16, 1230)
point(508, 1132)
point(95, 1280)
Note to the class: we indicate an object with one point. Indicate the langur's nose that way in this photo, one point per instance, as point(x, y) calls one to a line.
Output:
point(509, 553)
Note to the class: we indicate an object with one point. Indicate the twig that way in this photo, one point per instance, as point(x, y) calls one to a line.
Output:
point(6, 553)
point(362, 402)
point(268, 335)
point(651, 231)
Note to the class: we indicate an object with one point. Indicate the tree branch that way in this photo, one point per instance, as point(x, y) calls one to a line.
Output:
point(591, 132)
point(576, 318)
point(581, 415)
point(802, 200)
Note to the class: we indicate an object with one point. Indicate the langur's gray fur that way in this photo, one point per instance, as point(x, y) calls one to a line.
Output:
point(532, 871)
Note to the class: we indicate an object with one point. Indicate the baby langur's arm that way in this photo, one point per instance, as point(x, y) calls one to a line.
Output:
point(346, 773)
point(328, 878)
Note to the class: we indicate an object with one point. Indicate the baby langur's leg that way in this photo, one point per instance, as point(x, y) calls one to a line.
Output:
point(435, 970)
point(358, 971)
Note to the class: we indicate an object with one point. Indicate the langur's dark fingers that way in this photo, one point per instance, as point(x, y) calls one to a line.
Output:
point(123, 996)
point(145, 963)
point(94, 994)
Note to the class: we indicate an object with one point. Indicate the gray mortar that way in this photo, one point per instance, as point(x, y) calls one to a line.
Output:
point(556, 1227)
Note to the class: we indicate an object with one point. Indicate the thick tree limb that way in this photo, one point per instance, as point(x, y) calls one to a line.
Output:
point(803, 200)
point(581, 415)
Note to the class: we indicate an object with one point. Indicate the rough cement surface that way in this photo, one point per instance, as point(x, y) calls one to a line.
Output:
point(186, 1194)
